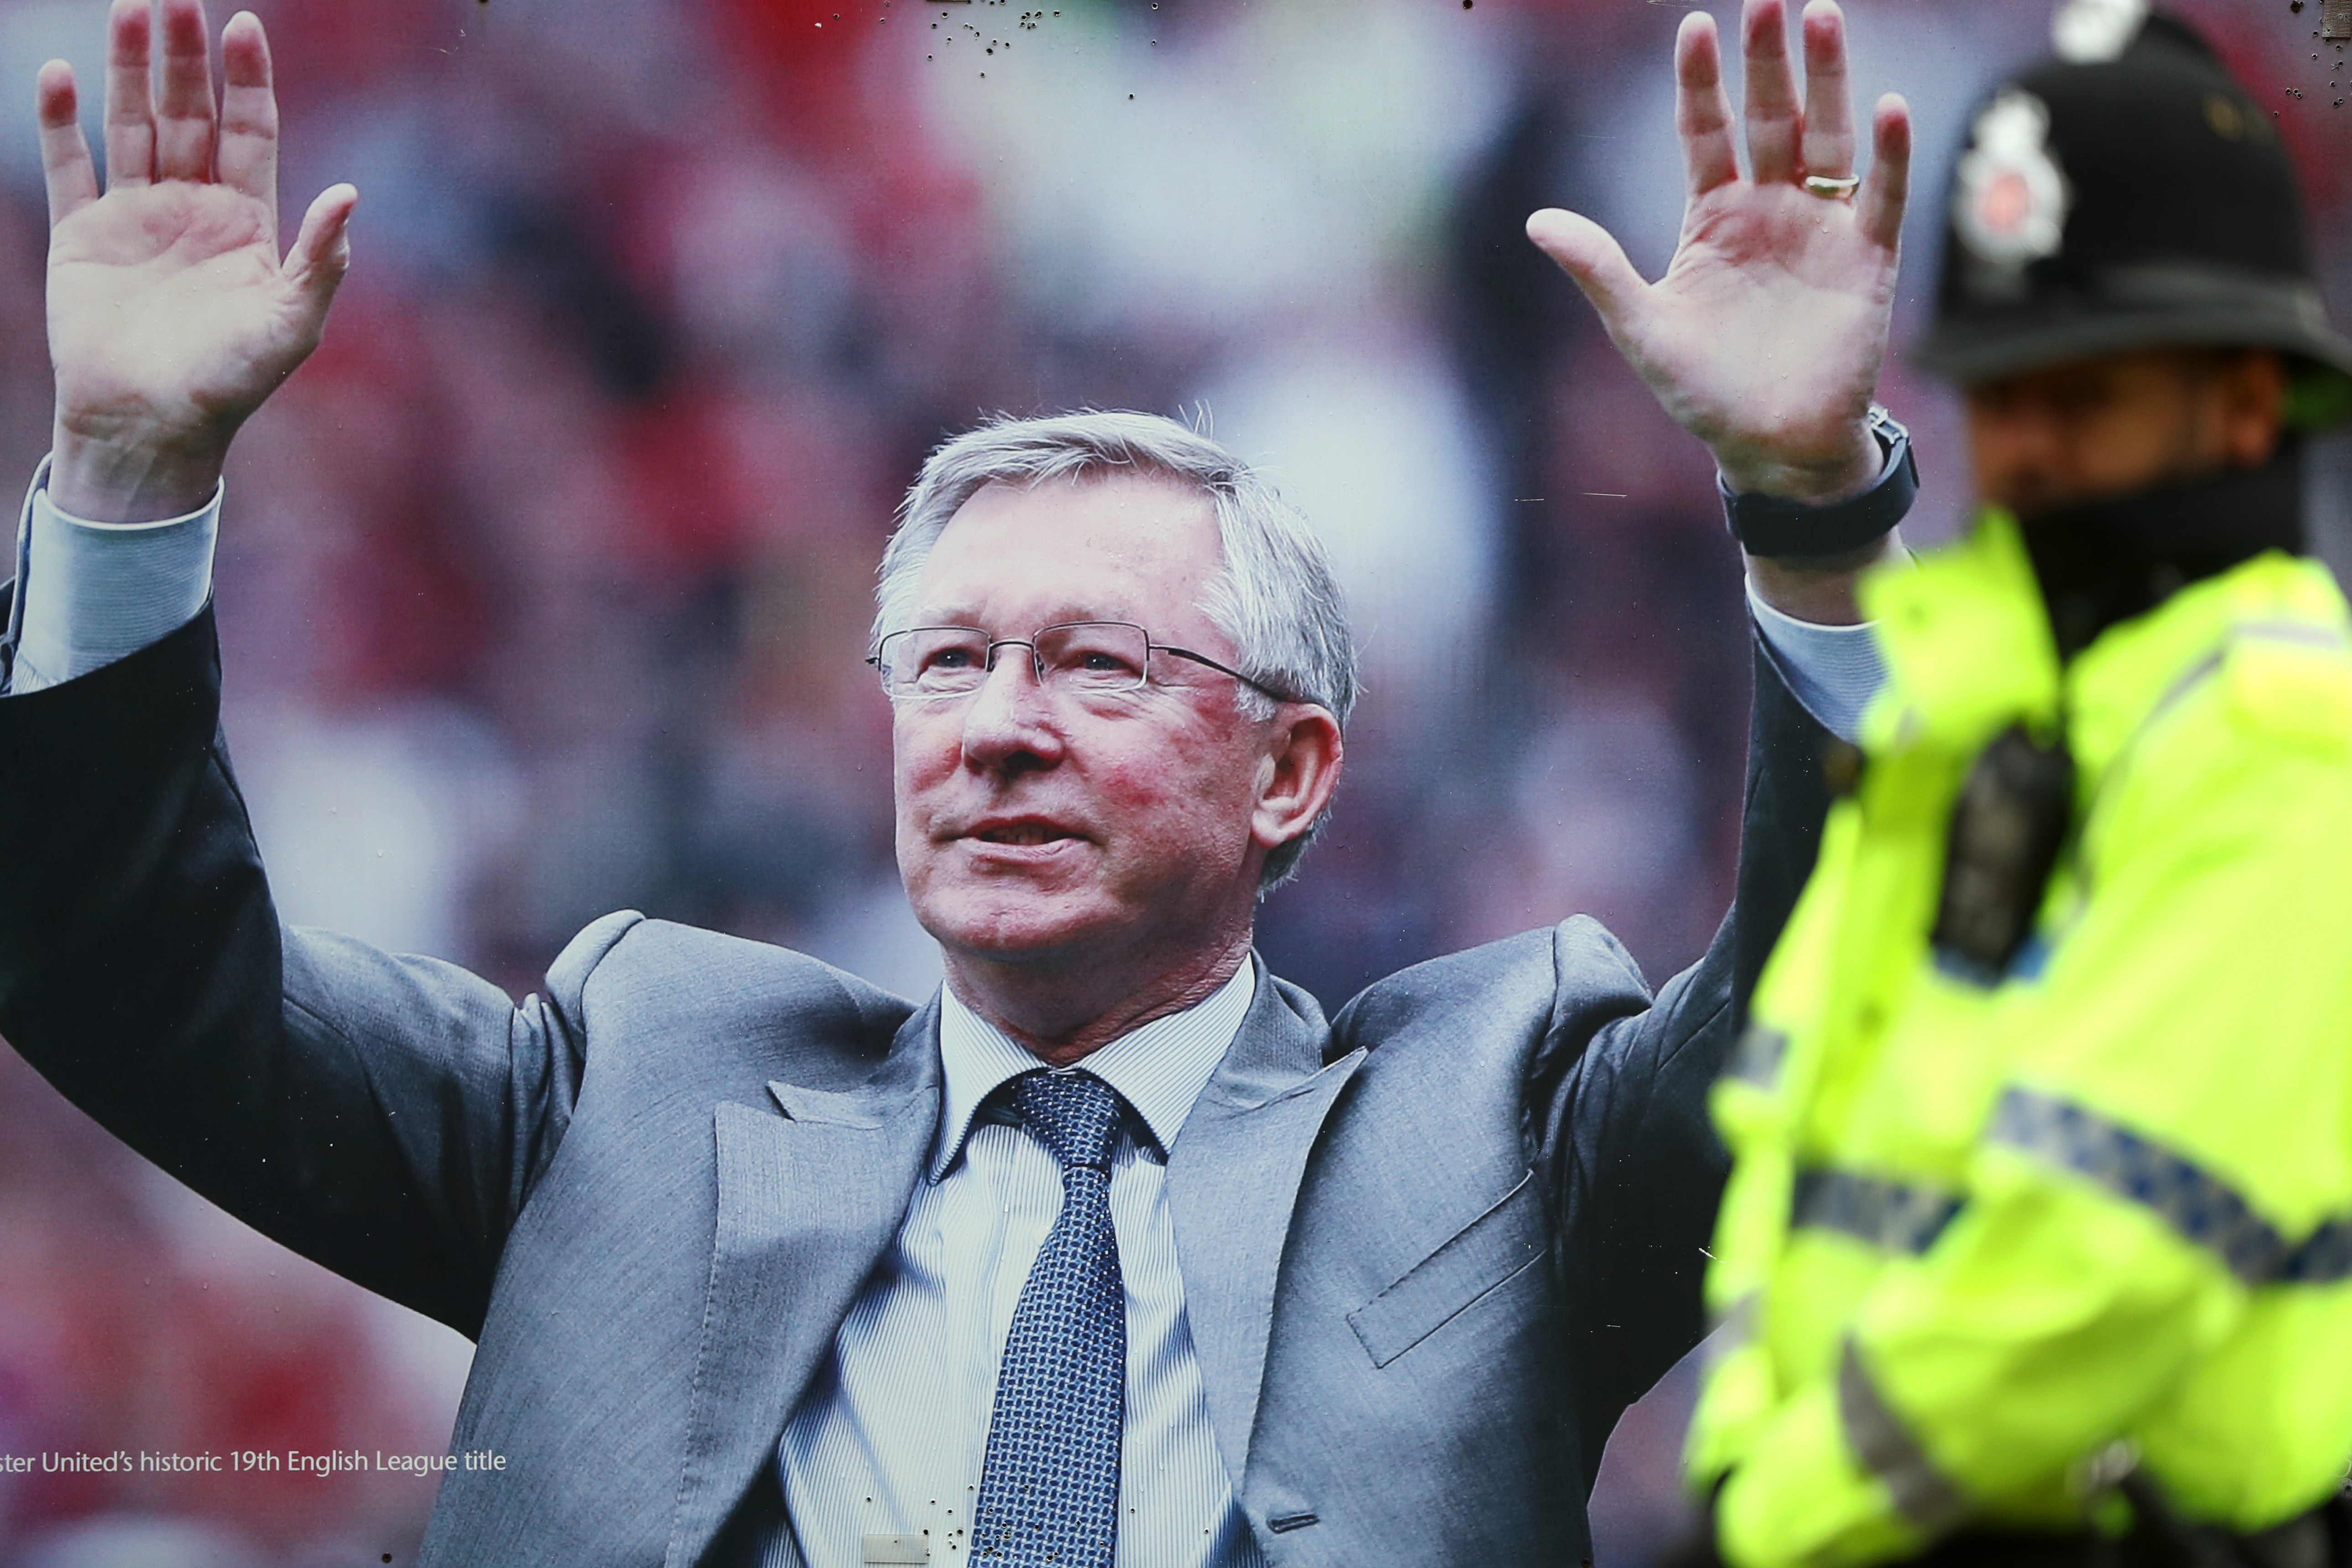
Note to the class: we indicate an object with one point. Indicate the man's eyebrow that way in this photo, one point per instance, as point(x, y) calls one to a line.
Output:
point(964, 614)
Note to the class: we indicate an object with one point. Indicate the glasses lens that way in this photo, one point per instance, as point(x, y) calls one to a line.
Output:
point(934, 661)
point(1094, 656)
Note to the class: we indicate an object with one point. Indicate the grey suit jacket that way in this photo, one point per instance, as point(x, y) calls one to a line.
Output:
point(1430, 1249)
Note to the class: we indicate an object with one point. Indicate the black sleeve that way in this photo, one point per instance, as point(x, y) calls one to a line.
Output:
point(382, 1116)
point(1624, 1130)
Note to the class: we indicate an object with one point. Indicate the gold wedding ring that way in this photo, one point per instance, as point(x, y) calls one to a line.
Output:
point(1833, 190)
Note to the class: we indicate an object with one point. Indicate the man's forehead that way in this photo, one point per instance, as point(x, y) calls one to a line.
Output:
point(1118, 543)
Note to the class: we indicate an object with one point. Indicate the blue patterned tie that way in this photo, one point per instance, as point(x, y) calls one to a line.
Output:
point(1049, 1482)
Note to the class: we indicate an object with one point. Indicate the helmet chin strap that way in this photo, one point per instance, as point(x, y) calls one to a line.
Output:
point(2103, 561)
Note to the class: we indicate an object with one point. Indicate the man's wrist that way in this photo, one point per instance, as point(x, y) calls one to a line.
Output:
point(99, 480)
point(1849, 470)
point(1821, 589)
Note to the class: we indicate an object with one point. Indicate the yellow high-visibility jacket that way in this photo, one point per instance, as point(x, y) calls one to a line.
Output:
point(1982, 1228)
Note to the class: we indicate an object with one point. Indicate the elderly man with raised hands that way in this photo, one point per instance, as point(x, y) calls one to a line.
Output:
point(1114, 1251)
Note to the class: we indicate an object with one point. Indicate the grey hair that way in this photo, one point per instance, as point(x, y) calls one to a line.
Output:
point(1273, 598)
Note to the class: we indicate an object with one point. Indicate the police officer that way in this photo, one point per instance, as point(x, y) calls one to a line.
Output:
point(2039, 1242)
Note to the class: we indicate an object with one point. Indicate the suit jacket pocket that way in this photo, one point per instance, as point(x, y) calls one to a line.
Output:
point(1475, 1262)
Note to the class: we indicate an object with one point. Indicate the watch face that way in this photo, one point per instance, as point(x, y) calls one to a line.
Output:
point(2009, 204)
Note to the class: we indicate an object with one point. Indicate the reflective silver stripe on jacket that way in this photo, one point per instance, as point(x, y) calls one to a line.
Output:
point(2307, 633)
point(1921, 1493)
point(2298, 633)
point(2201, 1207)
point(1896, 1216)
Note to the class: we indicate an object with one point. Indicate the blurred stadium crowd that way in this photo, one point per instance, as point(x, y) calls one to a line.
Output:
point(544, 586)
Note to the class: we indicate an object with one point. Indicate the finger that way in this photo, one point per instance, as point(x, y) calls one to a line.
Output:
point(65, 167)
point(1878, 206)
point(1588, 253)
point(1827, 144)
point(130, 111)
point(321, 254)
point(1702, 108)
point(1772, 117)
point(183, 117)
point(248, 125)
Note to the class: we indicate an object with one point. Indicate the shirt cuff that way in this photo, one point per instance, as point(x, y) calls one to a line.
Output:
point(89, 594)
point(1833, 671)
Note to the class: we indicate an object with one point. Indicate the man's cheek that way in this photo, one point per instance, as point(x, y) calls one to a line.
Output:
point(913, 846)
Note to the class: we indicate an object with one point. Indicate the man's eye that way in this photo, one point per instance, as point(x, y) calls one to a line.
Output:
point(1098, 667)
point(951, 658)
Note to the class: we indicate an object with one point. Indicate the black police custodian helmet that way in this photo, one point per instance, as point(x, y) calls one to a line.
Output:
point(2128, 195)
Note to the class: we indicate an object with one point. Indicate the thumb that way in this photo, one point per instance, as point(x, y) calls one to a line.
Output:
point(1587, 253)
point(322, 249)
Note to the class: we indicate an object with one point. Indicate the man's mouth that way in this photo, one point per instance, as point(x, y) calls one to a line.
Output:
point(1021, 833)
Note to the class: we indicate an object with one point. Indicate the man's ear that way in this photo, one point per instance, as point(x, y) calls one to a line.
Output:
point(1297, 773)
point(2254, 393)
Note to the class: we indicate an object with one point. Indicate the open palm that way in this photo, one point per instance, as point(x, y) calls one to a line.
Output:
point(1765, 335)
point(170, 314)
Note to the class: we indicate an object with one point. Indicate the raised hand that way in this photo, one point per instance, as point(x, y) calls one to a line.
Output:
point(171, 316)
point(1765, 337)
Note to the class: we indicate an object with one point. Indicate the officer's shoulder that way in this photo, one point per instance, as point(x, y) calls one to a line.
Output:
point(1530, 983)
point(2286, 664)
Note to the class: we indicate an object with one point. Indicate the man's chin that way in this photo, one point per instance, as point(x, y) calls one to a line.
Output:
point(1043, 929)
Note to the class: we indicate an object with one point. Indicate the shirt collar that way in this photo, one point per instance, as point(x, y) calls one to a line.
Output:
point(1159, 1069)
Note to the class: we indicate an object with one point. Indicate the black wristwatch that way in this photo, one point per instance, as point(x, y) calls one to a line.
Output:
point(1768, 525)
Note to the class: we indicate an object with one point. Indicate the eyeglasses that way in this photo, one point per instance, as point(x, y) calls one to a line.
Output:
point(1078, 658)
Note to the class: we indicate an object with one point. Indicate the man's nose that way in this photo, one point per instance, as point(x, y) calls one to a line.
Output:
point(1010, 720)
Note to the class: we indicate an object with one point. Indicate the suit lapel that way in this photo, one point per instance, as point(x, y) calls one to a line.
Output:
point(1232, 1178)
point(811, 1193)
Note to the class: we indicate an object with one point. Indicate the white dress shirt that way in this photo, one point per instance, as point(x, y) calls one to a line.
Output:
point(889, 1439)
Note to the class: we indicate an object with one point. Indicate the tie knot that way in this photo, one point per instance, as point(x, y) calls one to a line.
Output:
point(1074, 1114)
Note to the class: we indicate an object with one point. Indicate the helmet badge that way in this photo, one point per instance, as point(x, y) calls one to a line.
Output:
point(2088, 31)
point(2010, 206)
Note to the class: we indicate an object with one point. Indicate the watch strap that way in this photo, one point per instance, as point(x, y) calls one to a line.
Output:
point(1773, 525)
